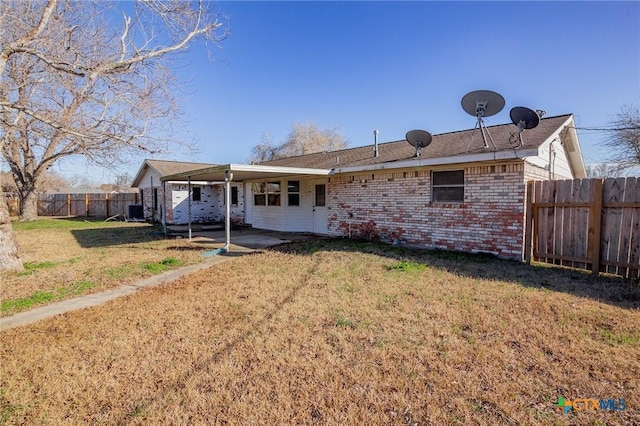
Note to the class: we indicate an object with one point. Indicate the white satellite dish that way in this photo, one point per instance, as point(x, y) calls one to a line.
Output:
point(419, 139)
point(480, 104)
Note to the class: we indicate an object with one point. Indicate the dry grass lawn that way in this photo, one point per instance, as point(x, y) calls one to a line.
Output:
point(68, 257)
point(335, 332)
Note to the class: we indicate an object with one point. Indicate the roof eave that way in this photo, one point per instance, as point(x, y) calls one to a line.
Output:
point(246, 168)
point(439, 161)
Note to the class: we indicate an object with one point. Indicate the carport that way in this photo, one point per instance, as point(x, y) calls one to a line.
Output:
point(227, 173)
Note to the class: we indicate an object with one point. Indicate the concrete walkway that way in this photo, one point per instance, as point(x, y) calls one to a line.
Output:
point(242, 243)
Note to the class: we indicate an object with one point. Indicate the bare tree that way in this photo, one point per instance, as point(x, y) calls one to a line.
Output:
point(9, 258)
point(74, 83)
point(264, 151)
point(305, 138)
point(603, 170)
point(623, 142)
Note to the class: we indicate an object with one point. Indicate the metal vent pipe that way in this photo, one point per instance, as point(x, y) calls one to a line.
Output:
point(375, 143)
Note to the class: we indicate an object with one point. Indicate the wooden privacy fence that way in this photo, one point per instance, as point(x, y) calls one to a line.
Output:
point(88, 205)
point(590, 224)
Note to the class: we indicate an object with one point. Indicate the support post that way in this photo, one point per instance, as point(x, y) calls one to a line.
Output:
point(595, 228)
point(228, 177)
point(528, 223)
point(189, 203)
point(164, 207)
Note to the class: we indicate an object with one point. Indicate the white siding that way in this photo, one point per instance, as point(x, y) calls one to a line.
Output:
point(284, 217)
point(248, 204)
point(553, 157)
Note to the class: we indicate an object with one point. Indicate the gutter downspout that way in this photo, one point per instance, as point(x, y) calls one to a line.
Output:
point(228, 177)
point(552, 160)
point(189, 203)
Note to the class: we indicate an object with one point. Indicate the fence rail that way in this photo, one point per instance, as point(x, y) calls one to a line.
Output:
point(88, 205)
point(589, 224)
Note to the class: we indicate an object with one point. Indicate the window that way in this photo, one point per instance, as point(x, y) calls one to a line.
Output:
point(259, 193)
point(321, 191)
point(234, 195)
point(196, 193)
point(293, 192)
point(447, 187)
point(266, 193)
point(273, 193)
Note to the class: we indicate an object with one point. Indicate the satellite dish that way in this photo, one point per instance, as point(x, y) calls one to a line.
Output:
point(525, 118)
point(419, 139)
point(480, 104)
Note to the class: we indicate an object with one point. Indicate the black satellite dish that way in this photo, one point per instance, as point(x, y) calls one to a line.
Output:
point(480, 104)
point(419, 139)
point(525, 118)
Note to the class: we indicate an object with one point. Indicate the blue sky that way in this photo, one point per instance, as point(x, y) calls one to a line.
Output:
point(397, 66)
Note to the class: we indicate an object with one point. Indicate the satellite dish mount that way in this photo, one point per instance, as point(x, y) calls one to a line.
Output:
point(419, 139)
point(482, 103)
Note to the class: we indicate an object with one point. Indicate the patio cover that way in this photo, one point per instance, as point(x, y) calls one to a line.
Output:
point(242, 172)
point(235, 172)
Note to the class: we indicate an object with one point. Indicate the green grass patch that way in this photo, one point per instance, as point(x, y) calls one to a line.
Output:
point(170, 261)
point(618, 339)
point(342, 321)
point(27, 302)
point(163, 265)
point(40, 297)
point(30, 267)
point(121, 272)
point(406, 266)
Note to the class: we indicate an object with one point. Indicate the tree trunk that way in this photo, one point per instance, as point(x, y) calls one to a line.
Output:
point(9, 259)
point(28, 205)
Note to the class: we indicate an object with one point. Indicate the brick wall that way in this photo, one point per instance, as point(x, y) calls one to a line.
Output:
point(396, 207)
point(209, 209)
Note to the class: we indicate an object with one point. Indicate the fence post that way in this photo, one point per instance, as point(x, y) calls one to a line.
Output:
point(528, 223)
point(106, 203)
point(595, 219)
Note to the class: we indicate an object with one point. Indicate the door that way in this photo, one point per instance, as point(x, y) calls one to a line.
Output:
point(320, 209)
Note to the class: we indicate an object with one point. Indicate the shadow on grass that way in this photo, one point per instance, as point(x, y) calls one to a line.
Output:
point(117, 235)
point(607, 289)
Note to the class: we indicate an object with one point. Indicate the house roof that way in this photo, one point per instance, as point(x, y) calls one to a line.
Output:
point(165, 168)
point(447, 148)
point(443, 145)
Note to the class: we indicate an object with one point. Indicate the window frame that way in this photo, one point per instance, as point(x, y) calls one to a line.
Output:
point(193, 194)
point(234, 195)
point(272, 196)
point(295, 194)
point(447, 186)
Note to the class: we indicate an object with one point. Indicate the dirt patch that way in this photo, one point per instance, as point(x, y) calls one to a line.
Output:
point(335, 333)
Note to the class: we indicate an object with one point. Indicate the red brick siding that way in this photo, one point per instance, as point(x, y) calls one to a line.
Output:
point(396, 207)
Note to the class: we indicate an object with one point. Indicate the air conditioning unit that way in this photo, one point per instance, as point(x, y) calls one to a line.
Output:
point(135, 212)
